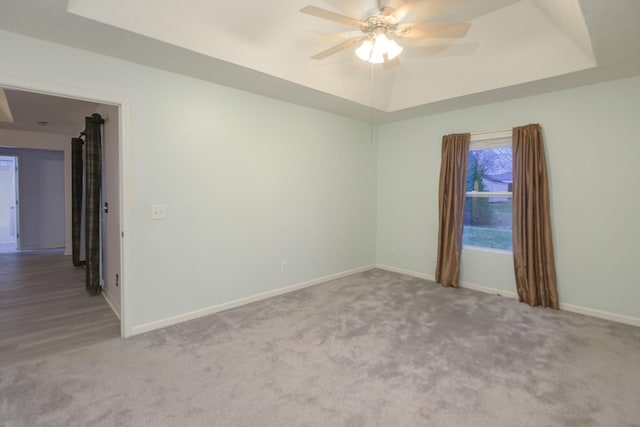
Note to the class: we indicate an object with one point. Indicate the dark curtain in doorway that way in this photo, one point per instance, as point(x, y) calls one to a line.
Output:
point(93, 182)
point(76, 198)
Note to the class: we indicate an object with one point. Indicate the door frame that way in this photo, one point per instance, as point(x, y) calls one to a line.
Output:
point(122, 103)
point(16, 211)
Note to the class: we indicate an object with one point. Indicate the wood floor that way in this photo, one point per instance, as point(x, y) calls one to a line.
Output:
point(45, 309)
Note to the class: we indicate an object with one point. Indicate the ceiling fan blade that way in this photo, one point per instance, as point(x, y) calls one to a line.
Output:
point(400, 13)
point(331, 16)
point(387, 11)
point(337, 48)
point(446, 30)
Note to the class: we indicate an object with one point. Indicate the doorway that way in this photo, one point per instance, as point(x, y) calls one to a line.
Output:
point(36, 209)
point(29, 132)
point(9, 230)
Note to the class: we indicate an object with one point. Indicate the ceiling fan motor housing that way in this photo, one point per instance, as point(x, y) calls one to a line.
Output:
point(379, 22)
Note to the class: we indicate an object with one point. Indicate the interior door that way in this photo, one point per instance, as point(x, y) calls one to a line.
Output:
point(8, 201)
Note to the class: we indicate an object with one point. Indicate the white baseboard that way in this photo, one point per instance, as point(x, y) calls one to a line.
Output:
point(242, 301)
point(489, 290)
point(114, 306)
point(407, 272)
point(42, 247)
point(467, 285)
point(620, 318)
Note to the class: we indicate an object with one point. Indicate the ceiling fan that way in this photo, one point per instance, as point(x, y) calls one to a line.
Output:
point(381, 27)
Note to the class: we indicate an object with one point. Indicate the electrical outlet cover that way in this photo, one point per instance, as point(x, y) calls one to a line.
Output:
point(158, 211)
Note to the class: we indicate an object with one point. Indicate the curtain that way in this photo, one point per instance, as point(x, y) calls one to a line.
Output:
point(532, 244)
point(93, 181)
point(76, 200)
point(453, 171)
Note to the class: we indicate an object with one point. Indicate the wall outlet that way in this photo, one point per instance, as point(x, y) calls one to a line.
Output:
point(158, 211)
point(284, 266)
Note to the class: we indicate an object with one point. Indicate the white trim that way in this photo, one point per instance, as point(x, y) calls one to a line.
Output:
point(406, 272)
point(505, 194)
point(125, 153)
point(607, 315)
point(471, 248)
point(146, 327)
point(592, 312)
point(114, 306)
point(44, 247)
point(486, 136)
point(504, 133)
point(466, 285)
point(489, 290)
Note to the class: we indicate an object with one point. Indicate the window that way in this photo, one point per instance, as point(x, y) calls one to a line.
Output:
point(487, 211)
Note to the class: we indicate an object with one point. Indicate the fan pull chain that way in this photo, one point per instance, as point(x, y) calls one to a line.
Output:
point(371, 88)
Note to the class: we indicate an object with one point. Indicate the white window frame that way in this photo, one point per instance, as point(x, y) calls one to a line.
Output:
point(486, 141)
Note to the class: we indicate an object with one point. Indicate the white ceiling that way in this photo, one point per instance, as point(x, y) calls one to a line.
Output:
point(514, 47)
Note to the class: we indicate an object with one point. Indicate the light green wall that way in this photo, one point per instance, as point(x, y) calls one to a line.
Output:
point(593, 149)
point(248, 181)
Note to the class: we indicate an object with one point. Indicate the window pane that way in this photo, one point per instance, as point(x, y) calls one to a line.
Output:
point(490, 170)
point(487, 222)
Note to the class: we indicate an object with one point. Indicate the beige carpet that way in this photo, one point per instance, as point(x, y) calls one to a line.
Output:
point(373, 349)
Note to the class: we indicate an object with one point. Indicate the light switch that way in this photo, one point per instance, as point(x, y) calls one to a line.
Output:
point(158, 211)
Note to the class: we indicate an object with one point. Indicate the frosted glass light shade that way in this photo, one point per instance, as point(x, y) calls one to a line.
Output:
point(393, 49)
point(364, 51)
point(376, 58)
point(380, 46)
point(374, 51)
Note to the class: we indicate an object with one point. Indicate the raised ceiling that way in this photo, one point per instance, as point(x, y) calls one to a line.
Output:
point(514, 47)
point(506, 38)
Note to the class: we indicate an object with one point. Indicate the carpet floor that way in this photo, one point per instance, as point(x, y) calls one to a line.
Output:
point(372, 349)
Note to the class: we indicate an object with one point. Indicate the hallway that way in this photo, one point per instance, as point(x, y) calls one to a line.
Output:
point(44, 308)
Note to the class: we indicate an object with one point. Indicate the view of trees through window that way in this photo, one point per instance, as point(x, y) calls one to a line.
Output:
point(487, 213)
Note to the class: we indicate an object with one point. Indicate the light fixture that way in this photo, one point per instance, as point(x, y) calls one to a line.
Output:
point(393, 49)
point(377, 48)
point(364, 51)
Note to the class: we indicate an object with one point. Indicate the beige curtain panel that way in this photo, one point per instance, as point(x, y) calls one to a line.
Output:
point(453, 173)
point(532, 244)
